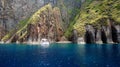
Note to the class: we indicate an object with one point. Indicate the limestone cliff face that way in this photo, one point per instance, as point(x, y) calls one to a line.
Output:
point(45, 23)
point(98, 21)
point(69, 9)
point(106, 34)
point(13, 11)
point(15, 17)
point(48, 27)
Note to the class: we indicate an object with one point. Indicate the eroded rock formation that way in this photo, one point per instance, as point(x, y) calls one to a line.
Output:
point(106, 34)
point(45, 23)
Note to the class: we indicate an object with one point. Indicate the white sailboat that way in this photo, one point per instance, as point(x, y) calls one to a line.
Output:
point(44, 42)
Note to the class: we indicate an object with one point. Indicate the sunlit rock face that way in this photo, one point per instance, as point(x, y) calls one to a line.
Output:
point(45, 23)
point(48, 27)
point(19, 10)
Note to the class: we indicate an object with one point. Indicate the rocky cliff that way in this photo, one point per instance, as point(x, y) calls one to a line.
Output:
point(45, 23)
point(13, 11)
point(14, 14)
point(99, 21)
point(91, 21)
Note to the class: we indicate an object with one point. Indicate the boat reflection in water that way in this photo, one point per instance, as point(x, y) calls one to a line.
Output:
point(44, 42)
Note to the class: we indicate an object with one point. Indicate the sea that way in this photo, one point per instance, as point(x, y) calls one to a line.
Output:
point(60, 55)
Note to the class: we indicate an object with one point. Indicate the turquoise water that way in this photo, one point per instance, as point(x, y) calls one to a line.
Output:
point(60, 55)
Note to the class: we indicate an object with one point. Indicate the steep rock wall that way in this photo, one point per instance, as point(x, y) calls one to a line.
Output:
point(12, 11)
point(45, 23)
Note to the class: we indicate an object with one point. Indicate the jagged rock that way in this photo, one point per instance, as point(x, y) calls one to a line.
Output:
point(13, 11)
point(106, 34)
point(97, 17)
point(32, 32)
point(45, 23)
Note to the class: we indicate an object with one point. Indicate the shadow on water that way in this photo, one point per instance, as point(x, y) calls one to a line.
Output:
point(102, 55)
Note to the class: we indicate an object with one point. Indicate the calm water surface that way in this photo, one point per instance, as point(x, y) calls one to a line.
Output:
point(60, 55)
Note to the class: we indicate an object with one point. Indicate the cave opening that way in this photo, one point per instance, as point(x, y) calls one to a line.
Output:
point(89, 37)
point(114, 34)
point(103, 36)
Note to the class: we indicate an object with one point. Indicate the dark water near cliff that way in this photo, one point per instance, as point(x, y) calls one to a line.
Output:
point(60, 55)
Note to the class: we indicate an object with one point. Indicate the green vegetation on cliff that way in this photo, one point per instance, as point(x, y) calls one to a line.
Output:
point(21, 29)
point(46, 22)
point(69, 9)
point(98, 13)
point(12, 32)
point(94, 12)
